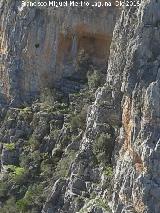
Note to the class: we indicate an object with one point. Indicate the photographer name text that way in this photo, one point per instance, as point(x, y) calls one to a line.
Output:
point(80, 4)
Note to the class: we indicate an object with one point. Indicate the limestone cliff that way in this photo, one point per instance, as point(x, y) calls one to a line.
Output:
point(136, 187)
point(130, 103)
point(42, 45)
point(85, 154)
point(127, 108)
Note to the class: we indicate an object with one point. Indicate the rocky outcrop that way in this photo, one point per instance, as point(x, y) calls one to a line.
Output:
point(129, 103)
point(42, 45)
point(38, 145)
point(55, 159)
point(136, 173)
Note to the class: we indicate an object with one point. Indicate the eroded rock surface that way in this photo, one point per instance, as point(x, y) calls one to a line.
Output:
point(75, 158)
point(129, 103)
point(40, 46)
point(136, 173)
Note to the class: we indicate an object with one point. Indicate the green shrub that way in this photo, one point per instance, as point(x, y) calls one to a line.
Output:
point(36, 157)
point(25, 158)
point(65, 141)
point(102, 204)
point(82, 117)
point(102, 148)
point(95, 202)
point(108, 171)
point(9, 206)
point(79, 120)
point(75, 122)
point(95, 79)
point(26, 113)
point(22, 205)
point(55, 133)
point(3, 188)
point(9, 146)
point(83, 63)
point(33, 197)
point(64, 164)
point(101, 143)
point(18, 174)
point(47, 169)
point(47, 96)
point(33, 142)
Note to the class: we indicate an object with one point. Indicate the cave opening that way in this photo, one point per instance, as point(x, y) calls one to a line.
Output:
point(37, 45)
point(96, 46)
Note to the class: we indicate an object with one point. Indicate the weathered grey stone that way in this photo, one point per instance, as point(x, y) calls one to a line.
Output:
point(9, 157)
point(127, 107)
point(79, 184)
point(55, 200)
point(52, 46)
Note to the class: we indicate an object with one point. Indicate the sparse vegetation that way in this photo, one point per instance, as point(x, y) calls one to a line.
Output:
point(18, 174)
point(26, 114)
point(51, 127)
point(108, 171)
point(79, 120)
point(95, 202)
point(3, 189)
point(47, 96)
point(9, 146)
point(33, 197)
point(33, 142)
point(64, 164)
point(95, 79)
point(9, 206)
point(102, 148)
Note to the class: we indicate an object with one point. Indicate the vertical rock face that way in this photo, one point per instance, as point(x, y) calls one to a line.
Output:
point(129, 102)
point(131, 99)
point(123, 124)
point(136, 184)
point(41, 45)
